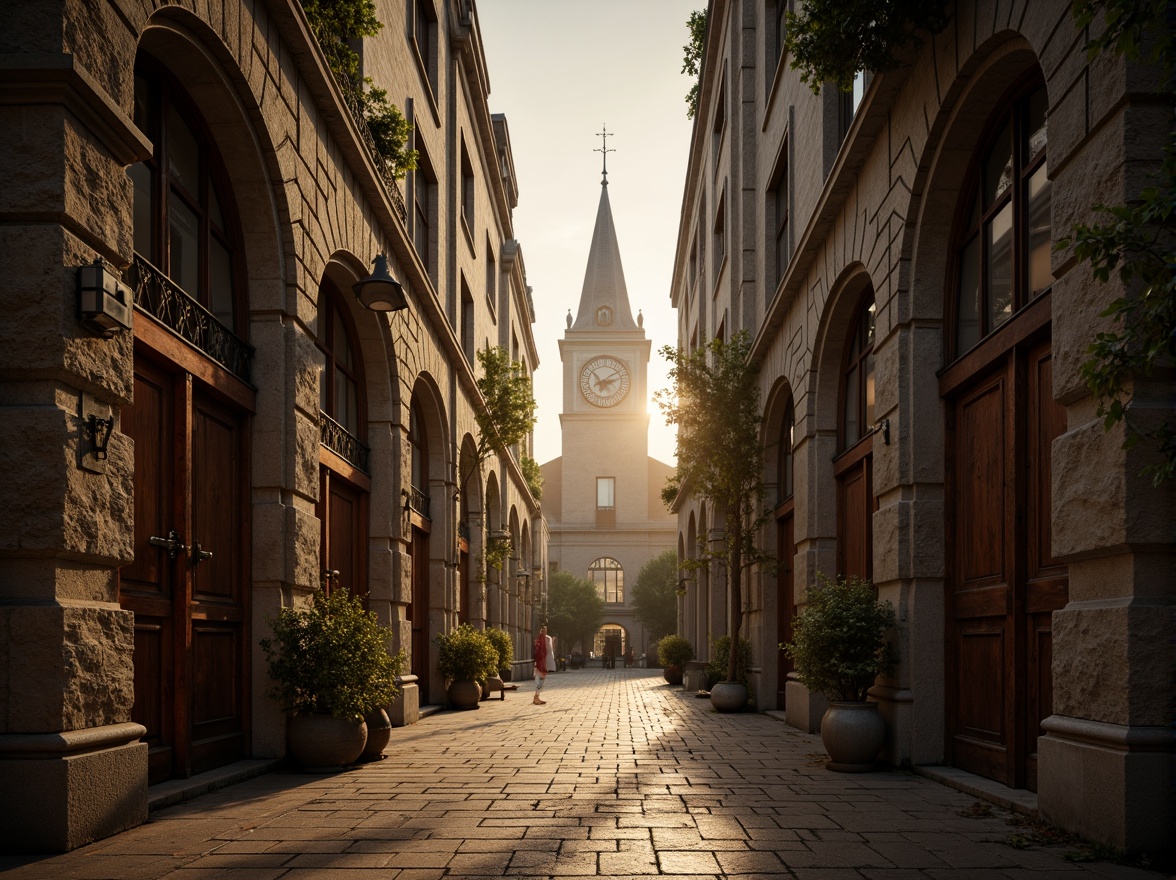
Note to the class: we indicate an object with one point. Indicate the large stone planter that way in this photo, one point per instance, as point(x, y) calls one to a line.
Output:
point(672, 675)
point(323, 742)
point(853, 734)
point(464, 694)
point(379, 732)
point(728, 696)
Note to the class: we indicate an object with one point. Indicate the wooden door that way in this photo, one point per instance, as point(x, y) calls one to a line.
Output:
point(786, 593)
point(342, 513)
point(1003, 582)
point(418, 611)
point(187, 585)
point(855, 510)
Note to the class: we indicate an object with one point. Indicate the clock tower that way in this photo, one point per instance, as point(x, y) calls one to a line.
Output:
point(601, 497)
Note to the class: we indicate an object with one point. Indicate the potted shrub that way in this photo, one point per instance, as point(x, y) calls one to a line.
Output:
point(839, 647)
point(466, 659)
point(504, 645)
point(726, 694)
point(674, 652)
point(331, 668)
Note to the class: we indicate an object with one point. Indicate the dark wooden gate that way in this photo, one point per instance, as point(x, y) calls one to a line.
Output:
point(1003, 584)
point(187, 585)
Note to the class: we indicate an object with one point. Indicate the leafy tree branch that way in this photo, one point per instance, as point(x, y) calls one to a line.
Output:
point(692, 57)
point(510, 409)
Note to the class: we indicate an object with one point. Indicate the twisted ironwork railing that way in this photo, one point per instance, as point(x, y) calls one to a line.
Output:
point(342, 442)
point(419, 502)
point(164, 300)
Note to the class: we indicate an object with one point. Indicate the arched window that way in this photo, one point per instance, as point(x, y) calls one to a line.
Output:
point(340, 380)
point(182, 210)
point(857, 407)
point(609, 577)
point(1003, 256)
point(420, 457)
point(784, 464)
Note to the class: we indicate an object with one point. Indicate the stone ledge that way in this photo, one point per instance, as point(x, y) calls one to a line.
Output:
point(1018, 800)
point(69, 742)
point(176, 791)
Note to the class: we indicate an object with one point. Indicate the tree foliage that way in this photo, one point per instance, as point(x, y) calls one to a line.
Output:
point(655, 595)
point(1136, 242)
point(834, 40)
point(534, 477)
point(692, 58)
point(714, 402)
point(510, 409)
point(335, 23)
point(575, 611)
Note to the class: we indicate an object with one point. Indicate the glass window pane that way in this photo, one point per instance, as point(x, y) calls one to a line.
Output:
point(852, 428)
point(786, 441)
point(184, 250)
point(968, 298)
point(1040, 276)
point(183, 152)
point(346, 402)
point(605, 492)
point(1036, 125)
point(147, 106)
point(999, 245)
point(215, 214)
point(998, 167)
point(220, 283)
point(869, 391)
point(340, 345)
point(141, 180)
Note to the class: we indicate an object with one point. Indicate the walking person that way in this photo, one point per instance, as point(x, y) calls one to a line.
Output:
point(541, 655)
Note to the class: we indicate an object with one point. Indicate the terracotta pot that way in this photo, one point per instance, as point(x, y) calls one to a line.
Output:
point(464, 694)
point(323, 742)
point(853, 734)
point(673, 675)
point(728, 696)
point(379, 732)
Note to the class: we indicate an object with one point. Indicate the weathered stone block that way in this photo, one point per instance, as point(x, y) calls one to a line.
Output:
point(69, 667)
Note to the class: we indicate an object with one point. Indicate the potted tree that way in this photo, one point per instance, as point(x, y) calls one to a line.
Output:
point(331, 668)
point(466, 658)
point(674, 652)
point(839, 647)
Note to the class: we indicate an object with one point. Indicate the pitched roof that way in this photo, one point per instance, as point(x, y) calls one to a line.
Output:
point(604, 279)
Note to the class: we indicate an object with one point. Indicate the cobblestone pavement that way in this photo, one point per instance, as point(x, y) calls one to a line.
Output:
point(618, 775)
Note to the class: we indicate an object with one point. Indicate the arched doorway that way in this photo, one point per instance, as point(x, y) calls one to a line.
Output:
point(1000, 421)
point(421, 528)
point(785, 544)
point(188, 585)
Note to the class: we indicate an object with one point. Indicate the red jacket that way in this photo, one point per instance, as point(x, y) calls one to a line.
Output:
point(540, 653)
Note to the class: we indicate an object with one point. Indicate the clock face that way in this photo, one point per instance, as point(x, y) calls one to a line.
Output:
point(604, 381)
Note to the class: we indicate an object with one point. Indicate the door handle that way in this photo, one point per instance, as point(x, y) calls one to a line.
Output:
point(172, 543)
point(327, 576)
point(199, 555)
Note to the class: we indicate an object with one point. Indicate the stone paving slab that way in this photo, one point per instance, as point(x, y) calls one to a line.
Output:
point(619, 775)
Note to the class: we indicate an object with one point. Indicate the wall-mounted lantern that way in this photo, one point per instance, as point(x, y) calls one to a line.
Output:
point(104, 303)
point(380, 292)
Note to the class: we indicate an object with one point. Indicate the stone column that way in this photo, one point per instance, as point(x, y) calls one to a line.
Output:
point(71, 766)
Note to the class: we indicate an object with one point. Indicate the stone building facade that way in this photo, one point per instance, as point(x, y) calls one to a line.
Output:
point(255, 433)
point(892, 252)
point(602, 496)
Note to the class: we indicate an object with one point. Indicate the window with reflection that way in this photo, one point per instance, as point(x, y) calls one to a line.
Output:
point(785, 443)
point(1003, 259)
point(857, 409)
point(419, 447)
point(182, 209)
point(609, 577)
point(339, 381)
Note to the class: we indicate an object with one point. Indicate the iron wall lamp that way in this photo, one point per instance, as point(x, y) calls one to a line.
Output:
point(104, 303)
point(380, 292)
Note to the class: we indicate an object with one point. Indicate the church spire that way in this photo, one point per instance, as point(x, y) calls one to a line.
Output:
point(604, 151)
point(604, 300)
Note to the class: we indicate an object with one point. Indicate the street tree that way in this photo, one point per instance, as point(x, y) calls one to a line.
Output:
point(509, 414)
point(575, 611)
point(655, 595)
point(714, 402)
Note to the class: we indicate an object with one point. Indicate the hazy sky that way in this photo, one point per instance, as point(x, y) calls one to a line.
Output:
point(560, 70)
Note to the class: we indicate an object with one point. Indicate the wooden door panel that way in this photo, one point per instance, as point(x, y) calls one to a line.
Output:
point(855, 512)
point(786, 598)
point(980, 485)
point(148, 423)
point(418, 610)
point(153, 705)
point(216, 505)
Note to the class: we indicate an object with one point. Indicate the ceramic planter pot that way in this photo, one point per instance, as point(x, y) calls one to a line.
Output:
point(673, 675)
point(728, 696)
point(379, 732)
point(323, 742)
point(853, 734)
point(464, 694)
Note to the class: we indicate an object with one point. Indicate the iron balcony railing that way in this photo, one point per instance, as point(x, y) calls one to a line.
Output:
point(164, 300)
point(343, 443)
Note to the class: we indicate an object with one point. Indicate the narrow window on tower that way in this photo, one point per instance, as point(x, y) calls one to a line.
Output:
point(606, 502)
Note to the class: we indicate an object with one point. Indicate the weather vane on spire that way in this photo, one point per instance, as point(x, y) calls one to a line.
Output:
point(605, 150)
